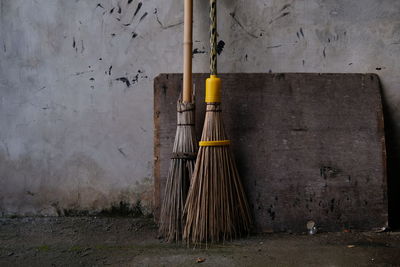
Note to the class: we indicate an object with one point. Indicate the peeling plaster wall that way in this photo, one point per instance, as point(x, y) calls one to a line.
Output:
point(76, 82)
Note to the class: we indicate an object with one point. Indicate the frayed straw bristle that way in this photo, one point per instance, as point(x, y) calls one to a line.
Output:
point(180, 171)
point(216, 208)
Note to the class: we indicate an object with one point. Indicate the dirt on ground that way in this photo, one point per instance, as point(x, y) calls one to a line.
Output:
point(98, 241)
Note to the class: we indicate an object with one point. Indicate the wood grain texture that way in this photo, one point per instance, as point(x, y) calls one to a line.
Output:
point(307, 146)
point(187, 51)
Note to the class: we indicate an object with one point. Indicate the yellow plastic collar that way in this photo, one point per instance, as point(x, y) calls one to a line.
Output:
point(215, 143)
point(213, 89)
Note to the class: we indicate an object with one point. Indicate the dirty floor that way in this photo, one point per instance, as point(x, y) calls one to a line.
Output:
point(98, 241)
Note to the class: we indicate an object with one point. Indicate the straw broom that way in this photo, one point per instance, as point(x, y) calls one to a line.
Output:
point(185, 146)
point(216, 207)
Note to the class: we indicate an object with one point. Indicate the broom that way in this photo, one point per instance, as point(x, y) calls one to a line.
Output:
point(216, 208)
point(185, 146)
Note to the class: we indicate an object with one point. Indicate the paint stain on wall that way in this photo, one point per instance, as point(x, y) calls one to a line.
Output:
point(279, 17)
point(144, 15)
point(124, 80)
point(233, 15)
point(220, 47)
point(139, 6)
point(197, 51)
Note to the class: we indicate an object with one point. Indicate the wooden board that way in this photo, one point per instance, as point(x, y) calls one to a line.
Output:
point(308, 146)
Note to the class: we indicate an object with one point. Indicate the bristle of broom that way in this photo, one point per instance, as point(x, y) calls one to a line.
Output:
point(180, 171)
point(216, 208)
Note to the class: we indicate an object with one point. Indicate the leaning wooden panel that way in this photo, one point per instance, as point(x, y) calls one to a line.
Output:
point(308, 146)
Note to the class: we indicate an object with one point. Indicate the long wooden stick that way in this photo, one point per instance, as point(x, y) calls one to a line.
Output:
point(187, 52)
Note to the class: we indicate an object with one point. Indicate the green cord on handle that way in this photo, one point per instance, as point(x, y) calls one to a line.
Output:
point(213, 37)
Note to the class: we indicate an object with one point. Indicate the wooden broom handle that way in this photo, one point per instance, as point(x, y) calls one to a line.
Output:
point(187, 52)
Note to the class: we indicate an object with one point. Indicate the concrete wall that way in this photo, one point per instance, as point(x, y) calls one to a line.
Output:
point(76, 83)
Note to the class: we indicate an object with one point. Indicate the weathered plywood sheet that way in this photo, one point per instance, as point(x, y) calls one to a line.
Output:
point(308, 146)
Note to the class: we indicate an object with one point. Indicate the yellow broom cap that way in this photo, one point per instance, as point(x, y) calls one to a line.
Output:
point(213, 89)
